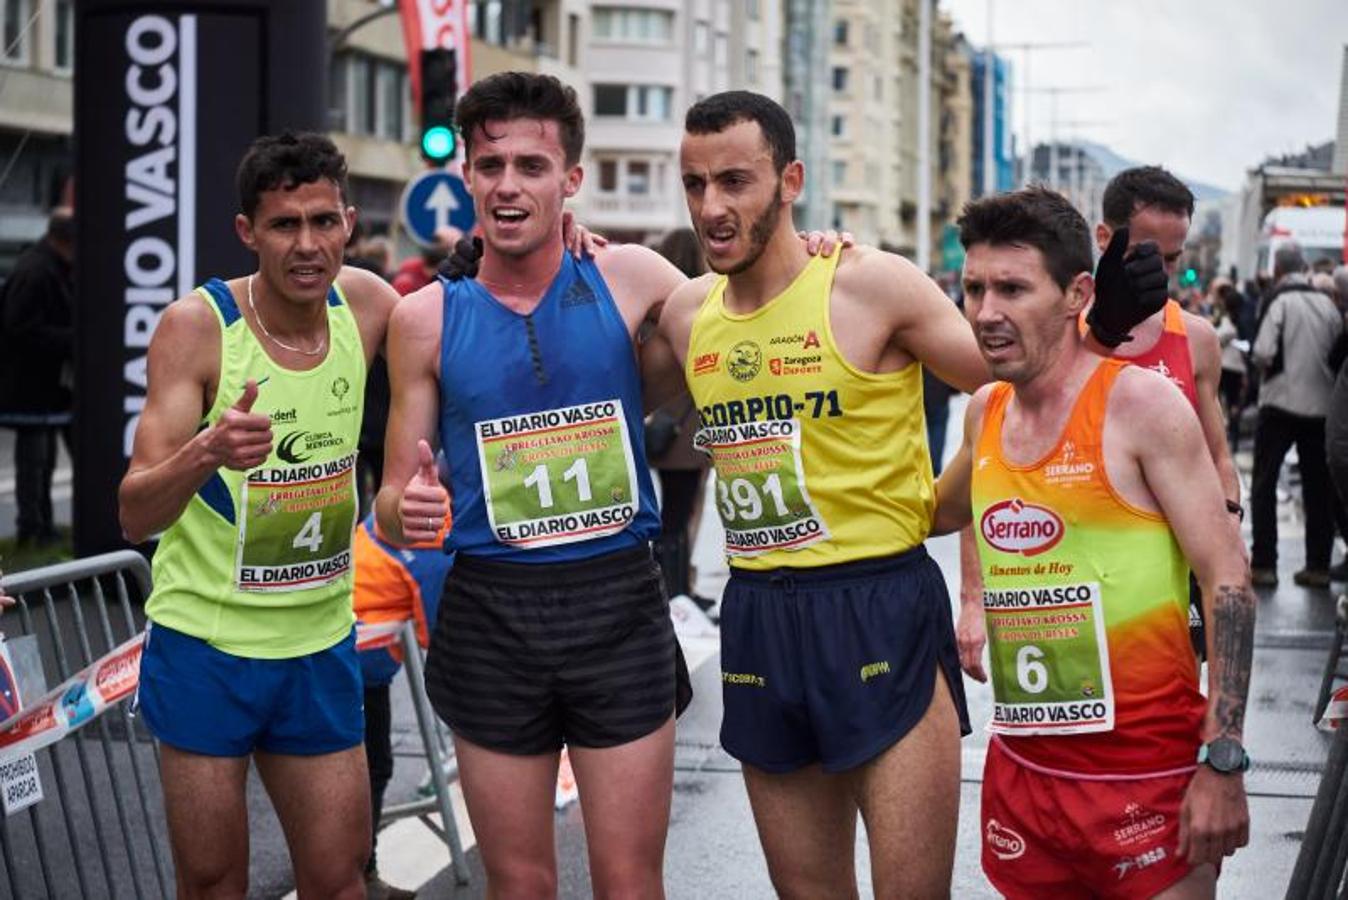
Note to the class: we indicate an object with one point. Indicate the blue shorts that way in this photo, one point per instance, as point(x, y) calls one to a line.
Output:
point(203, 700)
point(833, 665)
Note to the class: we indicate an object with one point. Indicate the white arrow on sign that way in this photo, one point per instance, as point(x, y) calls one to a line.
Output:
point(442, 202)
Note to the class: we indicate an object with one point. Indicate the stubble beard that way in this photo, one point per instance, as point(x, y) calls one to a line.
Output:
point(760, 232)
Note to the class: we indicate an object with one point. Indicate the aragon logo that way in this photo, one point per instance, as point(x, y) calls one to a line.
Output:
point(286, 449)
point(1004, 843)
point(1014, 526)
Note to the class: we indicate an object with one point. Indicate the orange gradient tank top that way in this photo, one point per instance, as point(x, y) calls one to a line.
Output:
point(1086, 604)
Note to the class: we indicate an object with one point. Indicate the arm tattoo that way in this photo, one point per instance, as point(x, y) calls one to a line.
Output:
point(1233, 655)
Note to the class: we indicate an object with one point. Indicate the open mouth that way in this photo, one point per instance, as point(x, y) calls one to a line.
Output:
point(509, 215)
point(306, 274)
point(720, 238)
point(996, 344)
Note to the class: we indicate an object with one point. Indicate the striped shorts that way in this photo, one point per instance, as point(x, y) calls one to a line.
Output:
point(527, 657)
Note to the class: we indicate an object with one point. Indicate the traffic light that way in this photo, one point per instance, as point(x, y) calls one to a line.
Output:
point(439, 88)
point(1190, 277)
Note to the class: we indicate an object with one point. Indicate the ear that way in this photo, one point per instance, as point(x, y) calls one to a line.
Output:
point(350, 214)
point(574, 176)
point(793, 181)
point(1080, 292)
point(1103, 234)
point(243, 227)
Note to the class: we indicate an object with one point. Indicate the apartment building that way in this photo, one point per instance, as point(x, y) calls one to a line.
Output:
point(644, 62)
point(37, 55)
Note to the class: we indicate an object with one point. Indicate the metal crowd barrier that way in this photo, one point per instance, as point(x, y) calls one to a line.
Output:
point(102, 833)
point(1333, 669)
point(1320, 864)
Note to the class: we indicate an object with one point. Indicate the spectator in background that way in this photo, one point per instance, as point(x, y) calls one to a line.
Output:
point(1296, 334)
point(391, 584)
point(37, 315)
point(415, 272)
point(683, 470)
point(1231, 388)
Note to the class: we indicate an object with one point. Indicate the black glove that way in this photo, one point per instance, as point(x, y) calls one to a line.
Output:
point(462, 262)
point(1128, 290)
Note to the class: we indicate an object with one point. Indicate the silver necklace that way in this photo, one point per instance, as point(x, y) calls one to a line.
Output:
point(322, 342)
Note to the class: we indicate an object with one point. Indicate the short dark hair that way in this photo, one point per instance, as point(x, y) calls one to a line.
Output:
point(1143, 186)
point(1032, 217)
point(681, 248)
point(522, 95)
point(287, 160)
point(718, 112)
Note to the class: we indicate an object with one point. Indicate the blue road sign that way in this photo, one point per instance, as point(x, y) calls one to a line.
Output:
point(435, 199)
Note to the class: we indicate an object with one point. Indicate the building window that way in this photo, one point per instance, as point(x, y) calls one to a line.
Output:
point(722, 49)
point(15, 22)
point(839, 173)
point(840, 78)
point(840, 33)
point(63, 56)
point(610, 99)
point(389, 83)
point(751, 66)
point(635, 102)
point(638, 26)
point(371, 95)
point(361, 118)
point(608, 176)
point(839, 126)
point(701, 38)
point(751, 7)
point(638, 177)
point(572, 39)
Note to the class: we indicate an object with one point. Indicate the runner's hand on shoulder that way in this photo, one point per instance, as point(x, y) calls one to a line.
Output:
point(1128, 289)
point(579, 240)
point(823, 243)
point(1214, 818)
point(463, 259)
point(425, 502)
point(240, 439)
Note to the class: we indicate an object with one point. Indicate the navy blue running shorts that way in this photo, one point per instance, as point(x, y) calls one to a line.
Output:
point(835, 664)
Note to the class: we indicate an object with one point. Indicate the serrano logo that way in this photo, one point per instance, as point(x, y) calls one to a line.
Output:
point(286, 449)
point(1004, 843)
point(1014, 526)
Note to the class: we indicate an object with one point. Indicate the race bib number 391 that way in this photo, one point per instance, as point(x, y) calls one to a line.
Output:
point(760, 487)
point(1050, 660)
point(296, 524)
point(558, 476)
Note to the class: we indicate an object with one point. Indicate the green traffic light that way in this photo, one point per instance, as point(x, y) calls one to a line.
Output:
point(437, 142)
point(1190, 276)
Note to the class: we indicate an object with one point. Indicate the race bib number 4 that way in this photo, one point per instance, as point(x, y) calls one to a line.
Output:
point(1050, 660)
point(760, 487)
point(296, 524)
point(558, 476)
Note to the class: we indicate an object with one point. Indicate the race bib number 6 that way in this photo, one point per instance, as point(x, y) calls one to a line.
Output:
point(295, 525)
point(558, 476)
point(1050, 660)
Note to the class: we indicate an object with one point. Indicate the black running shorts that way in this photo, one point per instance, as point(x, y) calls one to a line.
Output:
point(526, 657)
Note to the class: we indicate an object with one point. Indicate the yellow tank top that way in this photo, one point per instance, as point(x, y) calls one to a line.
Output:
point(817, 462)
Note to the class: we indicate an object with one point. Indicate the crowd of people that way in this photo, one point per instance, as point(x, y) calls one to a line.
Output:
point(531, 386)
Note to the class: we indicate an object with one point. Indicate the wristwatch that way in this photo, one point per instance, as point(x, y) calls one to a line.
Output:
point(1224, 755)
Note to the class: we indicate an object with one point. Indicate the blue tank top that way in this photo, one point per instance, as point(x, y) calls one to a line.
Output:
point(541, 422)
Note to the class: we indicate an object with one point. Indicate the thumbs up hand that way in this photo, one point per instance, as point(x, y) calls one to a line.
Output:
point(425, 502)
point(1129, 289)
point(240, 439)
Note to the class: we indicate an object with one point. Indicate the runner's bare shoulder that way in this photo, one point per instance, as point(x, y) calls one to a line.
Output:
point(884, 281)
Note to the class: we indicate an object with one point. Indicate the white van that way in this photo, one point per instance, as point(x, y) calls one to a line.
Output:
point(1317, 230)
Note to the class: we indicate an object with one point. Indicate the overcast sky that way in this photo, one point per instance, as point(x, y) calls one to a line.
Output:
point(1207, 88)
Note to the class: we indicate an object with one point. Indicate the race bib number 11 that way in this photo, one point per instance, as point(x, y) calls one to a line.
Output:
point(558, 476)
point(1050, 660)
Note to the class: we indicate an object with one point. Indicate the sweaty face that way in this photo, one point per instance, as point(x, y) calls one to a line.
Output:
point(1020, 316)
point(1149, 223)
point(734, 194)
point(299, 236)
point(519, 179)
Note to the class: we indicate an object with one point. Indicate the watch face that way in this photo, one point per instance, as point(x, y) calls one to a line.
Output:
point(1226, 755)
